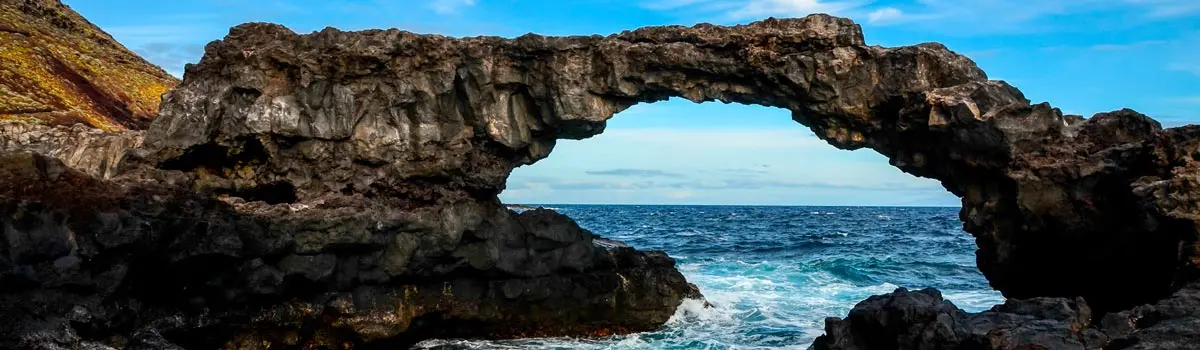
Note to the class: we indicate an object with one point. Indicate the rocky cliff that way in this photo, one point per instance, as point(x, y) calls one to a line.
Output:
point(58, 68)
point(339, 188)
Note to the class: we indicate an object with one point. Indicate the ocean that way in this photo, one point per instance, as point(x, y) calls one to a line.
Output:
point(773, 274)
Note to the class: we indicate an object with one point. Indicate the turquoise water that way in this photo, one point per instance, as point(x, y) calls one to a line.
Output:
point(773, 274)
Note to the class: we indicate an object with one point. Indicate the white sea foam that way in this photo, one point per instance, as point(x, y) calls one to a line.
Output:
point(760, 300)
point(974, 301)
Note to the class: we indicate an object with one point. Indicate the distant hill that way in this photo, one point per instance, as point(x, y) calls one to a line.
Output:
point(58, 68)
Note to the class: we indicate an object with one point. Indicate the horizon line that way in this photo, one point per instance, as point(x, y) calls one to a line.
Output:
point(737, 205)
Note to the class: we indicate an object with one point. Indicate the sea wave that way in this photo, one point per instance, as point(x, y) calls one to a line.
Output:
point(771, 275)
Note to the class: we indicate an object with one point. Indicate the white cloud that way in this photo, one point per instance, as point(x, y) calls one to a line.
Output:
point(791, 8)
point(885, 14)
point(670, 4)
point(137, 35)
point(450, 6)
point(738, 10)
point(1168, 8)
point(1193, 68)
point(1129, 46)
point(1195, 100)
point(956, 15)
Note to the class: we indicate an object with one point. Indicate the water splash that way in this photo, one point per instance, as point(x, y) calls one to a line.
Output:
point(772, 274)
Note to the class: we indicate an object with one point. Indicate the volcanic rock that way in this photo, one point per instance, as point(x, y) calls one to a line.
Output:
point(340, 189)
point(921, 319)
point(146, 262)
point(1060, 205)
point(58, 68)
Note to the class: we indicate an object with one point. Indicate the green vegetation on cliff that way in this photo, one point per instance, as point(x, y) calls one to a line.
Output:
point(57, 67)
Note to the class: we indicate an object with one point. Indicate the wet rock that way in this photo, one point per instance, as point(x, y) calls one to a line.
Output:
point(1171, 323)
point(923, 320)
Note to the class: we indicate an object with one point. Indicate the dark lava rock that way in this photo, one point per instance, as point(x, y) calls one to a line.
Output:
point(1061, 206)
point(132, 261)
point(923, 320)
point(340, 189)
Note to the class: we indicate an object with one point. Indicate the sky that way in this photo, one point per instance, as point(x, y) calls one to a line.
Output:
point(1084, 56)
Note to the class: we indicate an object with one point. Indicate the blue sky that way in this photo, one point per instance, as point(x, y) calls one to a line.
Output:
point(1084, 56)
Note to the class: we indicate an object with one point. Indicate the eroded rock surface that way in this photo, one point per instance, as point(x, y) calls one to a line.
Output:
point(144, 262)
point(921, 319)
point(87, 149)
point(1060, 205)
point(339, 188)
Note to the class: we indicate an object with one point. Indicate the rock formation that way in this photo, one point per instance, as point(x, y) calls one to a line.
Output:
point(58, 68)
point(144, 263)
point(339, 188)
point(1061, 206)
point(907, 320)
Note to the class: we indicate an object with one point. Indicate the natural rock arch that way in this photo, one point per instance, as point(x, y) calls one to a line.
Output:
point(341, 187)
point(1061, 206)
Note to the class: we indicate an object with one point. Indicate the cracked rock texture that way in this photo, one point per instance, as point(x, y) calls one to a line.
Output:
point(905, 320)
point(1060, 205)
point(339, 189)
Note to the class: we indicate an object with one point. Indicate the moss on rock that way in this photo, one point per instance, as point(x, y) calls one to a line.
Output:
point(57, 67)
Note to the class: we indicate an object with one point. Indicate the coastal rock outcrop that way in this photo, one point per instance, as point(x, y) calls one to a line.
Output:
point(340, 189)
point(143, 262)
point(921, 319)
point(60, 69)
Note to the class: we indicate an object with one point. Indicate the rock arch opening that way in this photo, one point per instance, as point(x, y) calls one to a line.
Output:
point(712, 153)
point(777, 228)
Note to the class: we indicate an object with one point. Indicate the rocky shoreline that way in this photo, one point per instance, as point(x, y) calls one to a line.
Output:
point(339, 189)
point(141, 262)
point(923, 320)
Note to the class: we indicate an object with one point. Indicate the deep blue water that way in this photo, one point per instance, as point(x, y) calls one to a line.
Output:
point(774, 273)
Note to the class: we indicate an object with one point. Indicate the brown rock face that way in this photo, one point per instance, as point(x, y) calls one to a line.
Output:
point(340, 188)
point(58, 68)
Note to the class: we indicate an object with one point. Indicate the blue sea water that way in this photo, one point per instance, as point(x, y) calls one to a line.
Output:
point(773, 274)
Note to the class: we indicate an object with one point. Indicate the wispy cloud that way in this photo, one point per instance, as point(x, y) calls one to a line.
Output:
point(636, 173)
point(885, 14)
point(1168, 8)
point(1188, 67)
point(725, 184)
point(171, 56)
point(982, 15)
point(1192, 100)
point(744, 171)
point(756, 9)
point(450, 6)
point(1129, 46)
point(764, 8)
point(137, 35)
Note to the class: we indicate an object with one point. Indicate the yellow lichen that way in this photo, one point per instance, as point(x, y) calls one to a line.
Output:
point(55, 61)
